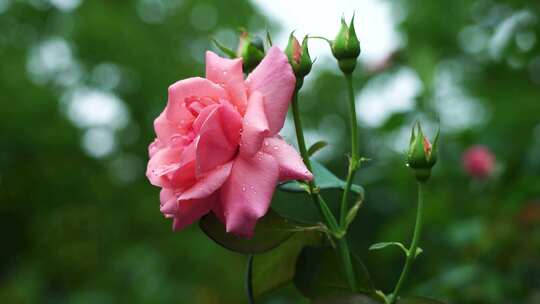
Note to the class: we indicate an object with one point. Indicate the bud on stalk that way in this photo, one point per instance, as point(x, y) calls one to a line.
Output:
point(422, 155)
point(346, 47)
point(251, 50)
point(299, 58)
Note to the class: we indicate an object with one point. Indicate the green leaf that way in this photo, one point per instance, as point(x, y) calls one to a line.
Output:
point(275, 268)
point(418, 300)
point(382, 245)
point(325, 180)
point(319, 274)
point(270, 232)
point(316, 147)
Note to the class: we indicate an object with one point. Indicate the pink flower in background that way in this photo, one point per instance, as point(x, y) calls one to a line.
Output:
point(478, 162)
point(217, 147)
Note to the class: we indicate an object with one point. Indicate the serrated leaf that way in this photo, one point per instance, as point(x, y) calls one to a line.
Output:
point(325, 180)
point(275, 268)
point(316, 147)
point(270, 232)
point(382, 245)
point(319, 274)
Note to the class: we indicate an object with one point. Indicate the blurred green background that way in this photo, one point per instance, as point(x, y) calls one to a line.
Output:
point(82, 81)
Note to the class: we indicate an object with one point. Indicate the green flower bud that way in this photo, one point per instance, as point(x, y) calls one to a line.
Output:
point(251, 50)
point(299, 58)
point(346, 47)
point(422, 155)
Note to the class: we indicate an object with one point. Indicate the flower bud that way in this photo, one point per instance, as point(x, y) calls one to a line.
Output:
point(422, 155)
point(479, 162)
point(251, 50)
point(299, 58)
point(346, 47)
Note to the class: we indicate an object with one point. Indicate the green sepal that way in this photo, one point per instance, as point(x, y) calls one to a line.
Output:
point(227, 51)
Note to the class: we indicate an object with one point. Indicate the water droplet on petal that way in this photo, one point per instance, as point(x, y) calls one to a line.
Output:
point(244, 189)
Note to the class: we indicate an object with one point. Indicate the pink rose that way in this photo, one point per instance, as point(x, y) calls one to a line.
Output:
point(217, 147)
point(478, 162)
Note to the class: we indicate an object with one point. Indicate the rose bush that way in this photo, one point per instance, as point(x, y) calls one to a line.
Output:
point(217, 147)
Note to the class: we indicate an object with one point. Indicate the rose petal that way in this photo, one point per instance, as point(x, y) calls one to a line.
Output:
point(255, 126)
point(191, 87)
point(190, 211)
point(213, 148)
point(274, 79)
point(232, 122)
point(168, 202)
point(155, 146)
point(163, 163)
point(208, 184)
point(228, 73)
point(169, 132)
point(246, 195)
point(203, 116)
point(291, 165)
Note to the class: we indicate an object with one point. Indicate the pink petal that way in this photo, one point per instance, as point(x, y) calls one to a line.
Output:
point(273, 78)
point(203, 116)
point(155, 146)
point(184, 177)
point(168, 202)
point(232, 122)
point(246, 195)
point(255, 126)
point(290, 163)
point(166, 130)
point(162, 164)
point(228, 73)
point(208, 184)
point(192, 210)
point(188, 88)
point(213, 147)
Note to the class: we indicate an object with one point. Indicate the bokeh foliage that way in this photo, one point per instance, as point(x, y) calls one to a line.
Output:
point(80, 225)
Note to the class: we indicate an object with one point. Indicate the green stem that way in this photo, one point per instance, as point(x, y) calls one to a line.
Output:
point(345, 254)
point(411, 255)
point(353, 162)
point(323, 208)
point(318, 200)
point(249, 279)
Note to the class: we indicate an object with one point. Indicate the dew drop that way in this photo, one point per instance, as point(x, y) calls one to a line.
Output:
point(244, 189)
point(266, 143)
point(276, 147)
